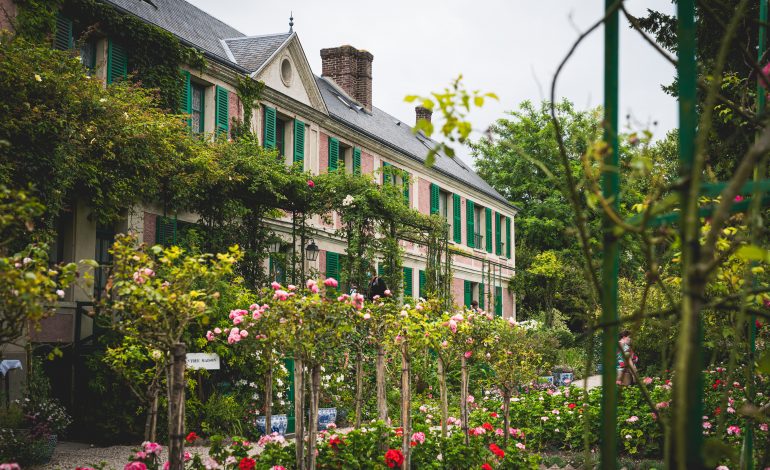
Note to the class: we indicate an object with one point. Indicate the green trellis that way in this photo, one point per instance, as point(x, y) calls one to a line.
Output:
point(692, 437)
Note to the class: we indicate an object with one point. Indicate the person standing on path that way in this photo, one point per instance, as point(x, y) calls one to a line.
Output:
point(626, 369)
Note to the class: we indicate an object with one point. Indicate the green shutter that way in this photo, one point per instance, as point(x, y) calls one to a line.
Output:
point(221, 111)
point(269, 138)
point(421, 283)
point(117, 62)
point(333, 265)
point(380, 269)
point(408, 280)
point(468, 291)
point(434, 195)
point(356, 161)
point(165, 231)
point(482, 294)
point(457, 219)
point(406, 178)
point(299, 141)
point(334, 154)
point(498, 233)
point(488, 217)
point(508, 237)
point(185, 98)
point(62, 39)
point(386, 176)
point(470, 229)
point(499, 301)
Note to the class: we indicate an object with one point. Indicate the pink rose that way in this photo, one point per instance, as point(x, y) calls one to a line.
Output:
point(210, 335)
point(149, 272)
point(387, 293)
point(314, 288)
point(135, 466)
point(275, 285)
point(153, 447)
point(367, 316)
point(453, 326)
point(331, 282)
point(217, 330)
point(647, 380)
point(244, 333)
point(310, 184)
point(292, 287)
point(468, 354)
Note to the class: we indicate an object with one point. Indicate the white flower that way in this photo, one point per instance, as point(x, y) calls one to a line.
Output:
point(38, 78)
point(60, 293)
point(102, 100)
point(627, 436)
point(348, 201)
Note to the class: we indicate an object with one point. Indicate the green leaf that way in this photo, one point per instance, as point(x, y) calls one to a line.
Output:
point(478, 101)
point(763, 363)
point(410, 98)
point(753, 253)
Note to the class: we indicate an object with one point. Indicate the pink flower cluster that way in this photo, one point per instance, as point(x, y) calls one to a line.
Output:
point(312, 285)
point(273, 438)
point(141, 276)
point(418, 437)
point(454, 321)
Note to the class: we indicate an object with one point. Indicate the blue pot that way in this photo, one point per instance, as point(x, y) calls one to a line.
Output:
point(326, 416)
point(278, 423)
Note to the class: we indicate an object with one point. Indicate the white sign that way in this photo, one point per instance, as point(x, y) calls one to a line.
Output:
point(202, 361)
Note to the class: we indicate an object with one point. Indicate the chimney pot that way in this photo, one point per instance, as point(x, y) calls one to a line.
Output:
point(422, 113)
point(351, 70)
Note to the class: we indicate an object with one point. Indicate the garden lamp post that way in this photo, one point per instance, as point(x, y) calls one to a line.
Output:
point(311, 251)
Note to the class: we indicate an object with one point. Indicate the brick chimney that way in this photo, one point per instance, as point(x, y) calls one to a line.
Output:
point(422, 113)
point(351, 70)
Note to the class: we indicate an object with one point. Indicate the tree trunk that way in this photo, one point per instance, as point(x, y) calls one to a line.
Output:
point(269, 398)
point(299, 411)
point(315, 389)
point(359, 386)
point(382, 401)
point(444, 397)
point(176, 408)
point(154, 415)
point(464, 397)
point(506, 416)
point(405, 405)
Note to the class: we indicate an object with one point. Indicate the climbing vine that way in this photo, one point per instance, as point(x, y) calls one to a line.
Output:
point(154, 55)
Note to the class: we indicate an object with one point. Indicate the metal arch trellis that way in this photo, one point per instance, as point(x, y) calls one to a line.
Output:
point(692, 437)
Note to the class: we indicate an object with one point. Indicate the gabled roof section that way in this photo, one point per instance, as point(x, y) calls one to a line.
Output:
point(185, 21)
point(392, 132)
point(253, 52)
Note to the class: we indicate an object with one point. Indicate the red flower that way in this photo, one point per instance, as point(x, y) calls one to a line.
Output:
point(335, 441)
point(310, 183)
point(486, 466)
point(399, 432)
point(493, 415)
point(500, 453)
point(192, 437)
point(394, 458)
point(622, 364)
point(718, 411)
point(413, 444)
point(758, 324)
point(488, 427)
point(571, 406)
point(247, 464)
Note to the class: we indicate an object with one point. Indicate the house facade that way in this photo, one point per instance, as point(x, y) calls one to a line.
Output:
point(326, 122)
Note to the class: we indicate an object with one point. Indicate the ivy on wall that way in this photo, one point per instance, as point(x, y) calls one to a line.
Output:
point(154, 55)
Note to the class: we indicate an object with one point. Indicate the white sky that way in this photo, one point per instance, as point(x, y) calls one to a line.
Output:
point(510, 47)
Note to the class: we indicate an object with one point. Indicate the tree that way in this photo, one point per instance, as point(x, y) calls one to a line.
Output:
point(155, 294)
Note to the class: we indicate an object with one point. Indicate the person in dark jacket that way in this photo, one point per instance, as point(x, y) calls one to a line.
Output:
point(376, 286)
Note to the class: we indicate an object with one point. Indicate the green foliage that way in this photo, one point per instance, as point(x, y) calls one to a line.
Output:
point(454, 103)
point(29, 286)
point(70, 135)
point(157, 293)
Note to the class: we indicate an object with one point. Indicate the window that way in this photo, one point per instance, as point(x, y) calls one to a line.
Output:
point(478, 236)
point(443, 204)
point(88, 55)
point(105, 237)
point(280, 136)
point(196, 111)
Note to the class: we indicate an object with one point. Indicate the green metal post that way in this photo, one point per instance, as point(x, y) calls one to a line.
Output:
point(688, 392)
point(748, 438)
point(290, 418)
point(611, 258)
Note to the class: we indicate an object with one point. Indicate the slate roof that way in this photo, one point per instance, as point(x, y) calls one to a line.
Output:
point(396, 134)
point(195, 26)
point(184, 20)
point(252, 52)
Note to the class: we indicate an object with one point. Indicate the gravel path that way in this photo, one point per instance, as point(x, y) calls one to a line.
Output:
point(69, 455)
